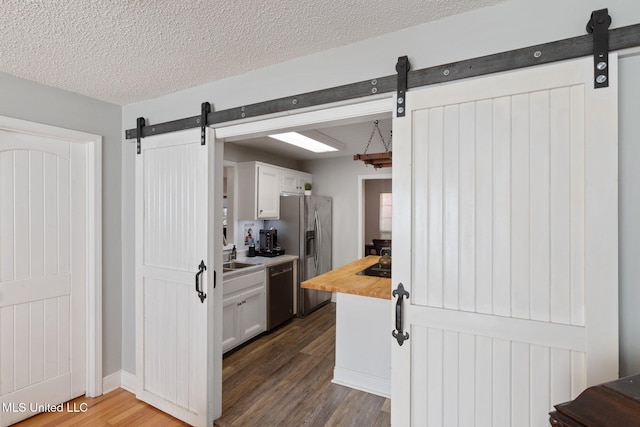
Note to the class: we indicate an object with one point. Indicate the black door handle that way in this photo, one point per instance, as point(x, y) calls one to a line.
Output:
point(398, 334)
point(201, 269)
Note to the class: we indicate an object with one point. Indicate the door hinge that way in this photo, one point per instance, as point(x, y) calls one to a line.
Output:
point(599, 26)
point(402, 67)
point(398, 333)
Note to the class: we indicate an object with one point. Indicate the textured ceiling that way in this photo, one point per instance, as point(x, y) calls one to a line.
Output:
point(123, 51)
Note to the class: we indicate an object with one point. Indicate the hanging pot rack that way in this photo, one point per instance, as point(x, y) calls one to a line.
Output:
point(377, 160)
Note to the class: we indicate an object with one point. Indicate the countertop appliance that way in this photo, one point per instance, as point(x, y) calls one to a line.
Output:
point(279, 294)
point(269, 243)
point(305, 230)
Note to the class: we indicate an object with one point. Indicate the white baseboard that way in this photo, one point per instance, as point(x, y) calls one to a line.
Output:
point(111, 382)
point(129, 381)
point(363, 382)
point(119, 379)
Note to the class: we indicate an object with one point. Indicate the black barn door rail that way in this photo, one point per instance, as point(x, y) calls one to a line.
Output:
point(575, 47)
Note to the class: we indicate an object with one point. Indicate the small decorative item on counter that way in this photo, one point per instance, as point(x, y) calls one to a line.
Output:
point(252, 250)
point(307, 188)
point(385, 259)
point(234, 253)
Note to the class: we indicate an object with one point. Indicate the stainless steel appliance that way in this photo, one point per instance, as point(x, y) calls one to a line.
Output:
point(279, 294)
point(305, 230)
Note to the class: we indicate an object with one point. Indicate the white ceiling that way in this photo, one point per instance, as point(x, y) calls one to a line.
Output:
point(123, 51)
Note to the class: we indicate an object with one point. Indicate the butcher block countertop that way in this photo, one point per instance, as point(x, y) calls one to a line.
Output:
point(345, 280)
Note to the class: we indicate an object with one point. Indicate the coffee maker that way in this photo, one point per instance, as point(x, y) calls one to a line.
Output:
point(269, 243)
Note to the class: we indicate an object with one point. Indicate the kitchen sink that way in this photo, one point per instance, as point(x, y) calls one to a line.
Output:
point(235, 265)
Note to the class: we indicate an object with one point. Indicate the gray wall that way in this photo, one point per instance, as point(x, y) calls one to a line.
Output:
point(509, 25)
point(26, 100)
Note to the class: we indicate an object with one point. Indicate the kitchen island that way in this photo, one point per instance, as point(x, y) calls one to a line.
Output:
point(363, 326)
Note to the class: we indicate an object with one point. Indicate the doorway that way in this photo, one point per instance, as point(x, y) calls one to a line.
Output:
point(371, 191)
point(362, 112)
point(50, 266)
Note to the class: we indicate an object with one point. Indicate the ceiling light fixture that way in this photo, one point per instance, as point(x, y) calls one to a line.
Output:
point(303, 141)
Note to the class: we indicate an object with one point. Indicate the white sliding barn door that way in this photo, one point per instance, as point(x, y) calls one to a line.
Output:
point(43, 273)
point(505, 236)
point(174, 339)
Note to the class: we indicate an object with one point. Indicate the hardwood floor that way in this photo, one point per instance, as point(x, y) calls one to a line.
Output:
point(284, 379)
point(118, 408)
point(280, 379)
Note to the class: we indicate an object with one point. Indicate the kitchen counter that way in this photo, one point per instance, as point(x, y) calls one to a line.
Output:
point(345, 280)
point(266, 260)
point(363, 326)
point(259, 261)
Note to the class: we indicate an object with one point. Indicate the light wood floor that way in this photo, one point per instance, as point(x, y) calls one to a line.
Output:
point(280, 379)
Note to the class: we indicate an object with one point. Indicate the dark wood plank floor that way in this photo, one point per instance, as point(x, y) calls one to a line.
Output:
point(284, 379)
point(280, 379)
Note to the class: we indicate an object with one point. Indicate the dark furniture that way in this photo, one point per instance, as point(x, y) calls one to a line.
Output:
point(616, 403)
point(369, 249)
point(380, 244)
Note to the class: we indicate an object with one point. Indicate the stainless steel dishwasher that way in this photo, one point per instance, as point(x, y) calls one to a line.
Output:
point(279, 294)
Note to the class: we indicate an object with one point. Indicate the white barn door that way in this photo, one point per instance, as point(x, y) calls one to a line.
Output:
point(43, 272)
point(174, 338)
point(509, 184)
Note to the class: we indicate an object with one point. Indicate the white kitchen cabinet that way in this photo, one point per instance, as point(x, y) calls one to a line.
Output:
point(258, 191)
point(292, 182)
point(244, 309)
point(260, 186)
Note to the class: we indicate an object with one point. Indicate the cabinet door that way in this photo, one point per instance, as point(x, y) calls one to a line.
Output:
point(290, 182)
point(303, 178)
point(253, 317)
point(268, 192)
point(230, 322)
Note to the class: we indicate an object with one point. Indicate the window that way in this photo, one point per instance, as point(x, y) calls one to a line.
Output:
point(385, 212)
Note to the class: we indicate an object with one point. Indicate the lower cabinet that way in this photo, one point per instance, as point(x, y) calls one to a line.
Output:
point(244, 312)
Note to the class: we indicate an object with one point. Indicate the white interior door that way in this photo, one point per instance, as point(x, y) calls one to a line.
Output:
point(43, 272)
point(509, 183)
point(174, 326)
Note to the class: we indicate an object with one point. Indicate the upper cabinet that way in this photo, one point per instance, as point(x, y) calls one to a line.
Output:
point(259, 188)
point(292, 182)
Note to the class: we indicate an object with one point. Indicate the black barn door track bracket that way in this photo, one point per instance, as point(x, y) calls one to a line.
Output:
point(402, 67)
point(205, 109)
point(598, 25)
point(140, 123)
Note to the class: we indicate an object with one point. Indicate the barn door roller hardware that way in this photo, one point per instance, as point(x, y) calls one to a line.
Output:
point(140, 122)
point(561, 50)
point(599, 26)
point(205, 109)
point(402, 67)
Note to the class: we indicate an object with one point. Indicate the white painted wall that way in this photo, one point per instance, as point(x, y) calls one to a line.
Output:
point(23, 99)
point(338, 178)
point(509, 25)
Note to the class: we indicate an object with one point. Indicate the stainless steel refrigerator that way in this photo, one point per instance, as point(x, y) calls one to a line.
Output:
point(304, 229)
